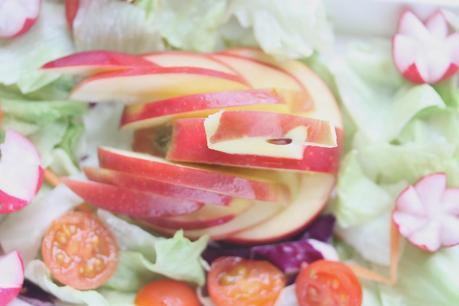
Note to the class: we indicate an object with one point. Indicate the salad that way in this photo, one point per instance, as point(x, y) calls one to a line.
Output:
point(226, 152)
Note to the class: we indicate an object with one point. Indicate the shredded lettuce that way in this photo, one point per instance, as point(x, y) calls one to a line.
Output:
point(115, 25)
point(269, 23)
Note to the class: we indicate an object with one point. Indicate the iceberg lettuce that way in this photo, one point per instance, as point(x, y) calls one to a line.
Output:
point(22, 56)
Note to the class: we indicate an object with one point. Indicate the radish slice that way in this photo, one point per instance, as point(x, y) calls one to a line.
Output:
point(21, 175)
point(425, 52)
point(17, 16)
point(11, 276)
point(427, 214)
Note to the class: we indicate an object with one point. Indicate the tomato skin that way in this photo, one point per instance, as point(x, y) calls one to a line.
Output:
point(80, 251)
point(167, 292)
point(234, 281)
point(328, 283)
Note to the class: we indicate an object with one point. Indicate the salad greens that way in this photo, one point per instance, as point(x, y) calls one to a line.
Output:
point(402, 132)
point(396, 132)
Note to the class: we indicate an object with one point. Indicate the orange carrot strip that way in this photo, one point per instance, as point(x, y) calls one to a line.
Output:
point(394, 252)
point(51, 178)
point(367, 274)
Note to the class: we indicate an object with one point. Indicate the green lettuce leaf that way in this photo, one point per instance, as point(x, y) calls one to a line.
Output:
point(143, 258)
point(190, 25)
point(157, 255)
point(47, 40)
point(269, 23)
point(373, 94)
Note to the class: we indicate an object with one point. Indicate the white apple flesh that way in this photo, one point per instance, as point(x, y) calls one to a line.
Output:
point(11, 276)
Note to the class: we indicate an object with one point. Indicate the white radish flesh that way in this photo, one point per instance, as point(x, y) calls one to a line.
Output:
point(425, 52)
point(21, 175)
point(427, 214)
point(17, 16)
point(11, 276)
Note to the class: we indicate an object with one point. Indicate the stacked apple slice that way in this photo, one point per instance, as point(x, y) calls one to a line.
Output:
point(234, 144)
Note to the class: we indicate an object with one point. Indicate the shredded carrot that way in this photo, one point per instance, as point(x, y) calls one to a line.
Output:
point(367, 274)
point(51, 178)
point(394, 252)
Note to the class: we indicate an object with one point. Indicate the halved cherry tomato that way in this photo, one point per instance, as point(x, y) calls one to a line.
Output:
point(80, 251)
point(167, 292)
point(328, 283)
point(234, 281)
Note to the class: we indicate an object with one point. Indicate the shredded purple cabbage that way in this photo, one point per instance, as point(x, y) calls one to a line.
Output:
point(288, 255)
point(36, 296)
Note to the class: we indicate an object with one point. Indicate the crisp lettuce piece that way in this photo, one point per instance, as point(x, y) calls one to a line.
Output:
point(23, 230)
point(359, 198)
point(270, 24)
point(381, 112)
point(190, 25)
point(47, 40)
point(116, 26)
point(41, 112)
point(157, 255)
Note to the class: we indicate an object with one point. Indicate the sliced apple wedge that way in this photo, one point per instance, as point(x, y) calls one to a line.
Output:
point(135, 204)
point(18, 16)
point(200, 178)
point(189, 144)
point(260, 74)
point(91, 62)
point(150, 114)
point(311, 198)
point(256, 214)
point(142, 183)
point(142, 84)
point(207, 216)
point(266, 134)
point(188, 59)
point(325, 105)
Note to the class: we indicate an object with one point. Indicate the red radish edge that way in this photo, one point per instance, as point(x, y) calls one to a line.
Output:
point(407, 61)
point(71, 10)
point(21, 162)
point(11, 276)
point(427, 213)
point(23, 23)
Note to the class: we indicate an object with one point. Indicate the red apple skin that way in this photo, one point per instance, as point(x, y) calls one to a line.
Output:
point(195, 224)
point(188, 59)
point(141, 84)
point(200, 178)
point(239, 124)
point(198, 102)
point(189, 144)
point(325, 105)
point(97, 61)
point(294, 218)
point(135, 204)
point(145, 184)
point(71, 10)
point(208, 216)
